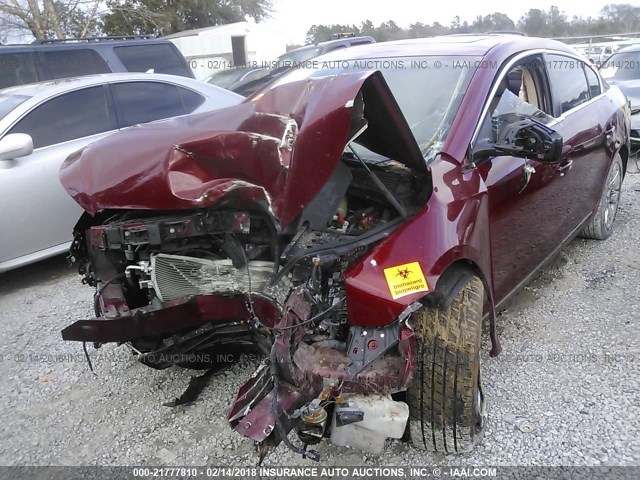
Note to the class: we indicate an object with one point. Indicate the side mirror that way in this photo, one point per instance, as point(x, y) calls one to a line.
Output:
point(15, 145)
point(524, 138)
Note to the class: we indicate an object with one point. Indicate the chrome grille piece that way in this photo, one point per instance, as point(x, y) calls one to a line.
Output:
point(175, 276)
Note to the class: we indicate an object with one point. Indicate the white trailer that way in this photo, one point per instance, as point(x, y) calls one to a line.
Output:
point(225, 46)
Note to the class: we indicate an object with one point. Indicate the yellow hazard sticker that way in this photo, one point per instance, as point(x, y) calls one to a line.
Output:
point(405, 279)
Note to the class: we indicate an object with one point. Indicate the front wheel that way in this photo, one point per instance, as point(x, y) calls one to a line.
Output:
point(446, 401)
point(601, 224)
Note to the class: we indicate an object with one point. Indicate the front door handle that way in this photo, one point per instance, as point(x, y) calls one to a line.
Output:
point(565, 167)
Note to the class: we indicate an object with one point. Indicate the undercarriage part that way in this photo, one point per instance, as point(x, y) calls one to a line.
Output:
point(282, 432)
point(196, 385)
point(368, 344)
point(205, 346)
point(382, 418)
point(175, 316)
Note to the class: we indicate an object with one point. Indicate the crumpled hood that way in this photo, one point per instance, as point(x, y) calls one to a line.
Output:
point(277, 148)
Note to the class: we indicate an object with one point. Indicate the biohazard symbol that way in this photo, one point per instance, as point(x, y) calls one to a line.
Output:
point(405, 279)
point(404, 273)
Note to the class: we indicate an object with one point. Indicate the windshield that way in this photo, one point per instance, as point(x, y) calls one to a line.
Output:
point(226, 78)
point(9, 102)
point(428, 90)
point(297, 56)
point(622, 66)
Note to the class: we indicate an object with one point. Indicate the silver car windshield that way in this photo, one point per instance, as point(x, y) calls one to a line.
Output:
point(428, 90)
point(9, 102)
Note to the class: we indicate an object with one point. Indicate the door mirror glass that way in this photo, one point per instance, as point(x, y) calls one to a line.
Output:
point(523, 137)
point(15, 145)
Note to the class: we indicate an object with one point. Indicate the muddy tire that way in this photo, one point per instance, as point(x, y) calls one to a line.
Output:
point(446, 402)
point(601, 224)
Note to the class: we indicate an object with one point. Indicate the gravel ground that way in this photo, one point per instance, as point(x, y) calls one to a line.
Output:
point(565, 391)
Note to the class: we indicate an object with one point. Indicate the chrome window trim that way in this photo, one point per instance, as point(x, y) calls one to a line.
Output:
point(515, 60)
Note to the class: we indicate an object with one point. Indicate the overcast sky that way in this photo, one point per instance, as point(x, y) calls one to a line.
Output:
point(296, 16)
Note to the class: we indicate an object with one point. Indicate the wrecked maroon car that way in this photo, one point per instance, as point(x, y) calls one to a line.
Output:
point(355, 223)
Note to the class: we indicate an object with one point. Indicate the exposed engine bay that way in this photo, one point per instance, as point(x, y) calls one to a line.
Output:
point(182, 287)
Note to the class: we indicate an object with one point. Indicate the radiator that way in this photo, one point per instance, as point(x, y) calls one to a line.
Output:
point(175, 276)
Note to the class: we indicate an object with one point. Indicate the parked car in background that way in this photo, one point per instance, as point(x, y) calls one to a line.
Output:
point(354, 223)
point(598, 53)
point(623, 70)
point(230, 78)
point(42, 123)
point(51, 59)
point(297, 59)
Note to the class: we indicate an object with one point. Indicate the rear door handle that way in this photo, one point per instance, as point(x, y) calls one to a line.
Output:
point(565, 167)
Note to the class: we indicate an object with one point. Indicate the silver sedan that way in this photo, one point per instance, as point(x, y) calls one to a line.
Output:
point(41, 124)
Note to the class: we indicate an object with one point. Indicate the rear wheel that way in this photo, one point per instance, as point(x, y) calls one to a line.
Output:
point(601, 224)
point(446, 400)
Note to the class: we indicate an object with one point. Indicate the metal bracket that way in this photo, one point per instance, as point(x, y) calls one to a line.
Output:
point(368, 344)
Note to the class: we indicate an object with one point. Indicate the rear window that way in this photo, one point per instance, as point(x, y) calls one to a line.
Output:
point(568, 82)
point(17, 69)
point(73, 62)
point(142, 102)
point(161, 58)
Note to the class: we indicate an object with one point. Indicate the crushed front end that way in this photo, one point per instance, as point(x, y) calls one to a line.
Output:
point(245, 240)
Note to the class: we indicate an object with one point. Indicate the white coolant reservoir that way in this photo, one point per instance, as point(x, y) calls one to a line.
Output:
point(383, 418)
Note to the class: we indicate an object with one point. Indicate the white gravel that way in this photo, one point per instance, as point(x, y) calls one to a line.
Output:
point(565, 391)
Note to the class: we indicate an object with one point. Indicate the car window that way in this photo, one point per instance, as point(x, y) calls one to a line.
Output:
point(17, 69)
point(68, 117)
point(568, 82)
point(594, 83)
point(142, 102)
point(190, 99)
point(519, 94)
point(161, 58)
point(74, 62)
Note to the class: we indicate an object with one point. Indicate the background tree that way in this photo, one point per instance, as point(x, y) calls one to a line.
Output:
point(164, 17)
point(496, 22)
point(323, 33)
point(50, 18)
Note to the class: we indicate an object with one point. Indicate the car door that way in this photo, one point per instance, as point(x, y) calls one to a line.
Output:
point(37, 213)
point(587, 126)
point(526, 201)
point(146, 101)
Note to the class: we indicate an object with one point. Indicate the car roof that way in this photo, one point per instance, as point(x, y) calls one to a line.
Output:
point(89, 44)
point(339, 41)
point(52, 87)
point(461, 44)
point(630, 48)
point(329, 43)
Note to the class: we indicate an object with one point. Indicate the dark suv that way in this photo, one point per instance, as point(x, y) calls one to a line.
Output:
point(51, 59)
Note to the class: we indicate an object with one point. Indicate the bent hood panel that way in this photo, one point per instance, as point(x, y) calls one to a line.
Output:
point(278, 148)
